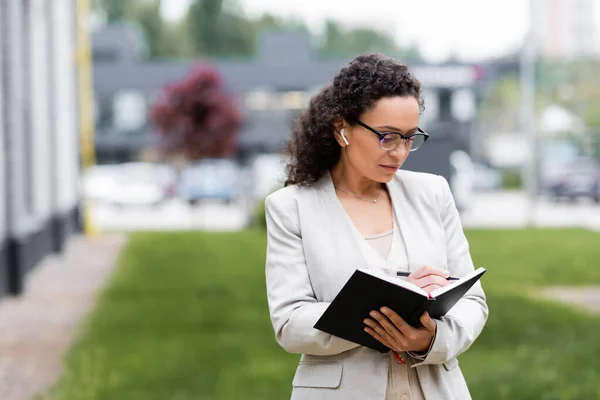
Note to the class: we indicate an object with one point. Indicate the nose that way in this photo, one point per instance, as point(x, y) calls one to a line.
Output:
point(400, 151)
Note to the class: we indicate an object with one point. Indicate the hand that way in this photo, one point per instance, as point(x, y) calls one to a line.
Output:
point(429, 278)
point(393, 332)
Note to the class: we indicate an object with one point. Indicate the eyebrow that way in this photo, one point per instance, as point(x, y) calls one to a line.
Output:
point(393, 128)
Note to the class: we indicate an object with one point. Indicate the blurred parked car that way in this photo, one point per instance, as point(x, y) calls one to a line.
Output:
point(210, 179)
point(144, 184)
point(131, 184)
point(99, 182)
point(580, 179)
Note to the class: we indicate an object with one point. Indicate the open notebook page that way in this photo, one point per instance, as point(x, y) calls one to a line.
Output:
point(396, 281)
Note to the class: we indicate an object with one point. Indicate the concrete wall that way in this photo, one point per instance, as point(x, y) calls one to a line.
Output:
point(39, 156)
point(3, 224)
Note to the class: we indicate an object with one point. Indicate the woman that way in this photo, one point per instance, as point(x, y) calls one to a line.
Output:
point(346, 205)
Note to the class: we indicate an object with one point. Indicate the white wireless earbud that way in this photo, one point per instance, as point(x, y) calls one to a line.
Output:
point(344, 137)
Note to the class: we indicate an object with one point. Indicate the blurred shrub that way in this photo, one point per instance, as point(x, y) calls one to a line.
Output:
point(511, 179)
point(259, 216)
point(196, 117)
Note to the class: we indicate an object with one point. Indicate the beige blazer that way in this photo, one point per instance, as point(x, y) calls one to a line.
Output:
point(311, 253)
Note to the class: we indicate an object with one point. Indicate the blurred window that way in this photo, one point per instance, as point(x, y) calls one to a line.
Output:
point(295, 100)
point(129, 111)
point(268, 100)
point(259, 100)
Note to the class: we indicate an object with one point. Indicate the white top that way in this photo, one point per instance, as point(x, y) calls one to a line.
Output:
point(382, 243)
point(385, 253)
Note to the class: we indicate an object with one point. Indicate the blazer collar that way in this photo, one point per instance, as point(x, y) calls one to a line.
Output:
point(398, 196)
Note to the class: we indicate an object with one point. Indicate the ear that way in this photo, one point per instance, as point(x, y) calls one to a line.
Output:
point(338, 125)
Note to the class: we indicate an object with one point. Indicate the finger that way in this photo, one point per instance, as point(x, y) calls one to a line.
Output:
point(427, 270)
point(431, 280)
point(379, 338)
point(431, 288)
point(397, 320)
point(381, 333)
point(384, 327)
point(428, 323)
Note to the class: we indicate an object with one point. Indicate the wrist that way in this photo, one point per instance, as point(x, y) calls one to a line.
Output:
point(425, 347)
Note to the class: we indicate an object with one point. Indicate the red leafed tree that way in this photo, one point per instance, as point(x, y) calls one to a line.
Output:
point(195, 117)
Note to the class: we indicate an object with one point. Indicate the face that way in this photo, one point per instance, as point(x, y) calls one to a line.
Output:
point(364, 154)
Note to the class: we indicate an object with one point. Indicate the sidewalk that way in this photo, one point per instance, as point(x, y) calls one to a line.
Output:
point(585, 298)
point(38, 327)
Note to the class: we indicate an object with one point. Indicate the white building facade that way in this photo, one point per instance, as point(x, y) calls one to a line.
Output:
point(39, 145)
point(567, 28)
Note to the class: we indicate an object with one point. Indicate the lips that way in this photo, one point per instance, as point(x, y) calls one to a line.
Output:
point(390, 167)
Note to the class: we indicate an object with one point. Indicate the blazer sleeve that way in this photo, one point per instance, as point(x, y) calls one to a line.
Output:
point(293, 306)
point(458, 329)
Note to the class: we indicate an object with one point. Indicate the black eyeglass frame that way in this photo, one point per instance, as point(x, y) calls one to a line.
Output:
point(420, 132)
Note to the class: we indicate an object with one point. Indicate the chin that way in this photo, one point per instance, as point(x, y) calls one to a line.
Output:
point(384, 178)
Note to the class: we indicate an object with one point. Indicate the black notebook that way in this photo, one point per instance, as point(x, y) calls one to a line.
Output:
point(368, 290)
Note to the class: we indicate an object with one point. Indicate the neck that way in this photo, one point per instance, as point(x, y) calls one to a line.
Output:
point(351, 180)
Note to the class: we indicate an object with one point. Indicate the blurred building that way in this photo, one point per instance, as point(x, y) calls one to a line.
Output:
point(567, 28)
point(271, 88)
point(38, 132)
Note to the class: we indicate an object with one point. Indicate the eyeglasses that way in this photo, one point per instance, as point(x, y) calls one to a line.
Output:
point(390, 140)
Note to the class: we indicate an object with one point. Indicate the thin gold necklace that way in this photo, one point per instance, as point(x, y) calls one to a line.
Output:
point(361, 198)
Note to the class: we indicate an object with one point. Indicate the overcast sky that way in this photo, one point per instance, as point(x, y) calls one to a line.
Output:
point(471, 29)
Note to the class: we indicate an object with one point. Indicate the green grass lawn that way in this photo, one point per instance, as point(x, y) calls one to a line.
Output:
point(185, 317)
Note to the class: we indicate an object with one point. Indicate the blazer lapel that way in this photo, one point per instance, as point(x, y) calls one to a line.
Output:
point(402, 213)
point(336, 231)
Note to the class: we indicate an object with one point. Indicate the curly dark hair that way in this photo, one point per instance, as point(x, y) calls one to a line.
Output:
point(312, 149)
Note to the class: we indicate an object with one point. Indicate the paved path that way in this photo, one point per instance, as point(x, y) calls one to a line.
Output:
point(586, 298)
point(37, 327)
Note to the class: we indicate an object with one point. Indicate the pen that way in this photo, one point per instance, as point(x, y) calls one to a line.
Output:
point(402, 273)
